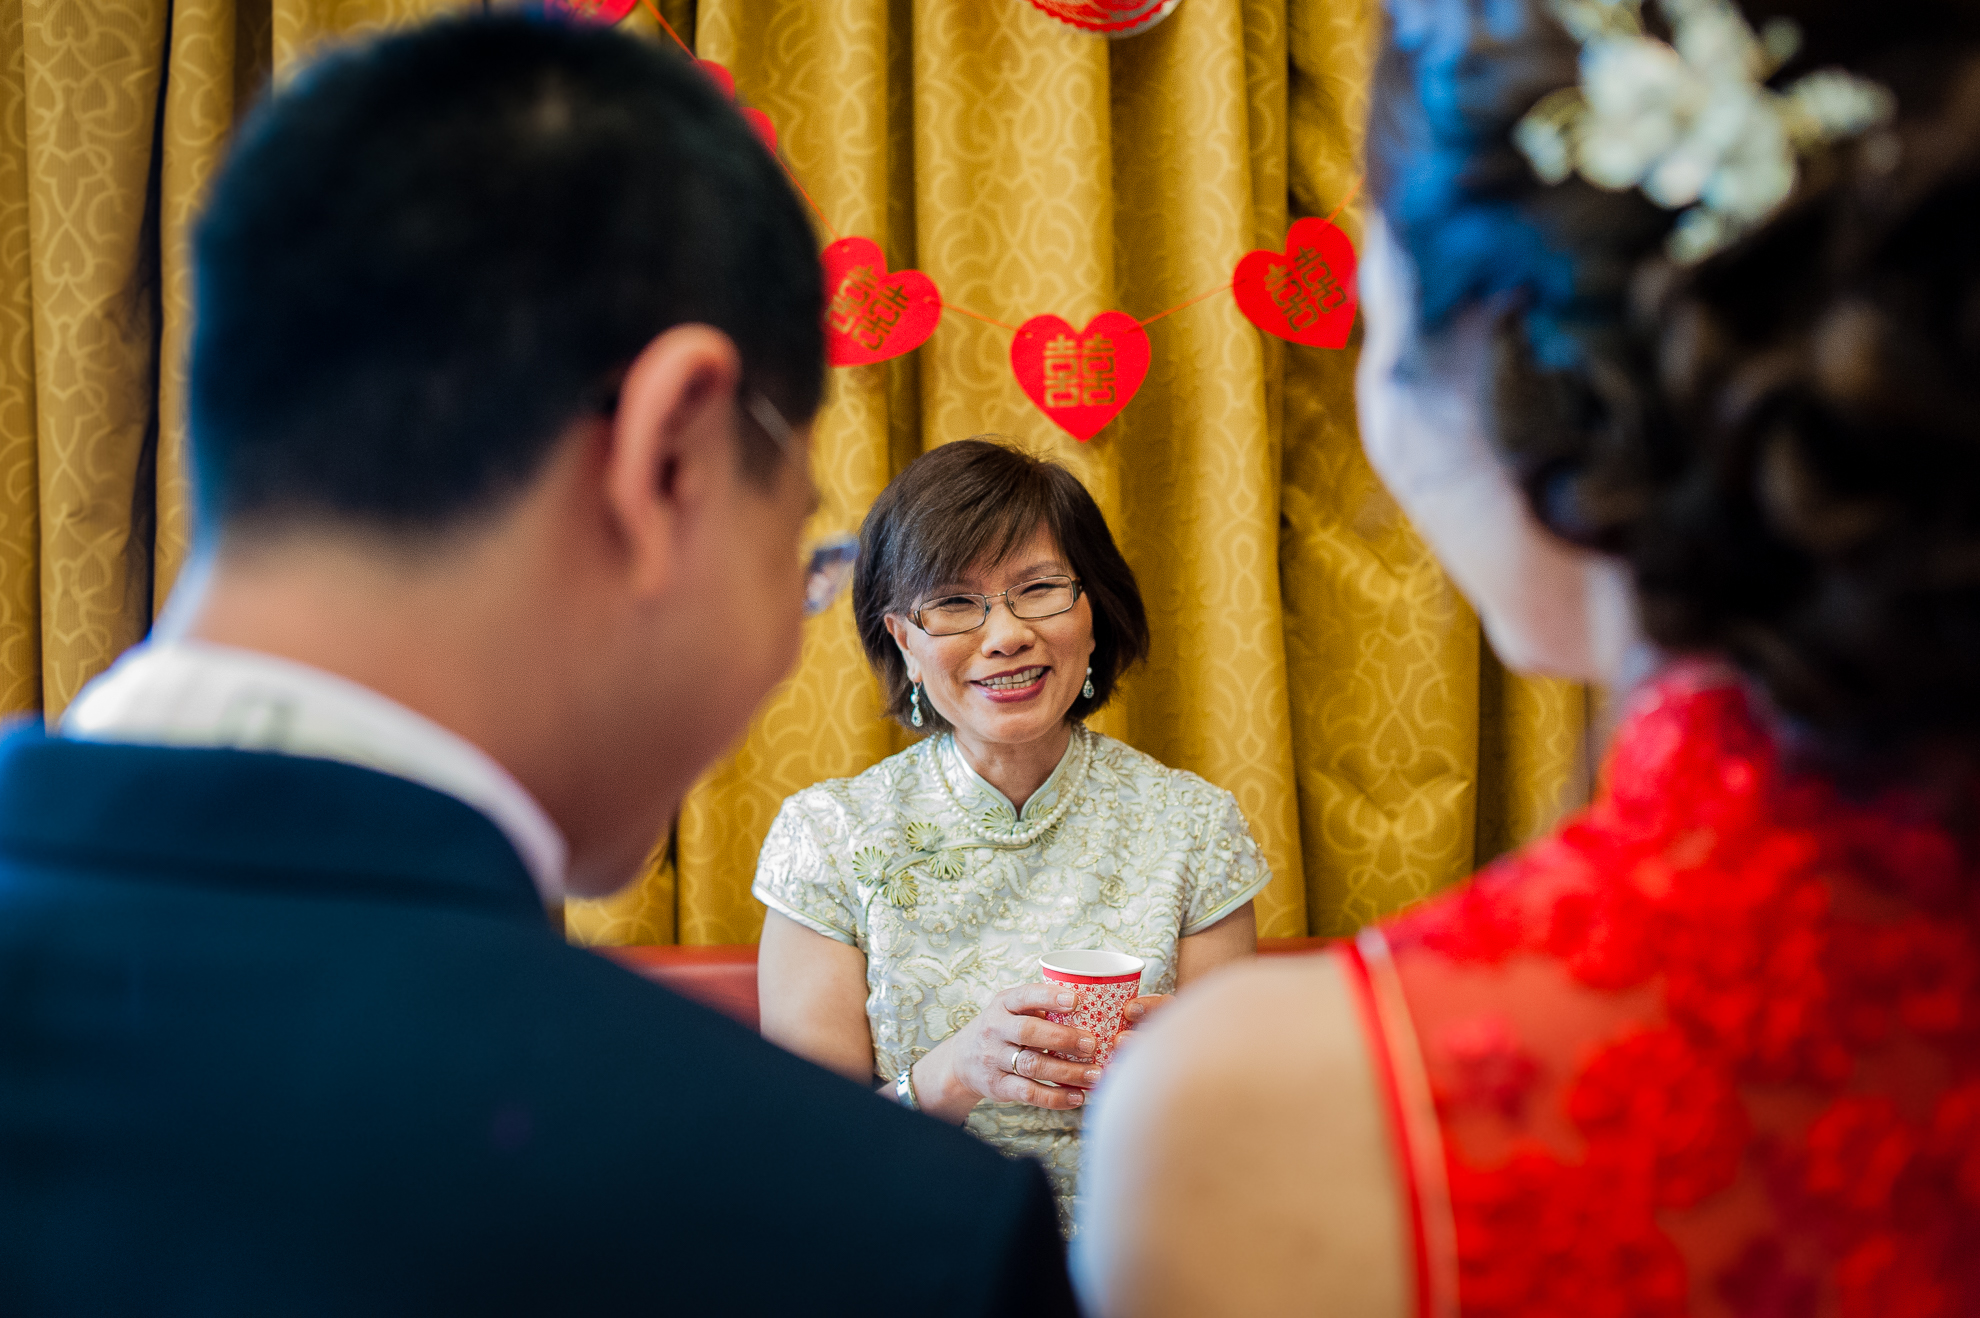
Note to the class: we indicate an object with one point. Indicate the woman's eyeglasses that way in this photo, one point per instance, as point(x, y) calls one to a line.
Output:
point(952, 615)
point(828, 571)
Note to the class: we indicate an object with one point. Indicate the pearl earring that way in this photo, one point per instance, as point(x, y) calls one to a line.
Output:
point(914, 716)
point(1087, 690)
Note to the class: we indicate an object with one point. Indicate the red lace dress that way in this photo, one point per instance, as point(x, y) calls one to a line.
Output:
point(1713, 1048)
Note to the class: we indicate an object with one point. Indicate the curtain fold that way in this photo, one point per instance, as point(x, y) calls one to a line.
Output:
point(20, 478)
point(93, 78)
point(1309, 655)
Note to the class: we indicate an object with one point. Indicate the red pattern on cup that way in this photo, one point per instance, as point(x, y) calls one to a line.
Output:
point(1104, 982)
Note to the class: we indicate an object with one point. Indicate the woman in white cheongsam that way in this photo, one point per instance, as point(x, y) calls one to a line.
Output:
point(909, 906)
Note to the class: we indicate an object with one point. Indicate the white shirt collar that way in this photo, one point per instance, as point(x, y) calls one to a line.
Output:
point(191, 693)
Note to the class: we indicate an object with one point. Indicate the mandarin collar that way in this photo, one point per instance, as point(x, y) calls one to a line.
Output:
point(988, 806)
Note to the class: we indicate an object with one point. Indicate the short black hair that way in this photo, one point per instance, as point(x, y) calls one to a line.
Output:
point(978, 500)
point(431, 252)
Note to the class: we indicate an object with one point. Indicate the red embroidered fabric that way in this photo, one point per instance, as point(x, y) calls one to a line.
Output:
point(1713, 1047)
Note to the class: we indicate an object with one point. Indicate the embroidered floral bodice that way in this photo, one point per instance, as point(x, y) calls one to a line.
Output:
point(953, 895)
point(1713, 1048)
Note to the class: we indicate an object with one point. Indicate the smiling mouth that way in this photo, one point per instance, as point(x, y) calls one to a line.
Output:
point(1017, 681)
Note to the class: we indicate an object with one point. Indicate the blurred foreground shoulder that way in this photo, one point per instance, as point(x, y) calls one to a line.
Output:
point(1239, 1159)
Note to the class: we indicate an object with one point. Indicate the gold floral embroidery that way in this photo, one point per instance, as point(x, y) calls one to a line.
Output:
point(901, 890)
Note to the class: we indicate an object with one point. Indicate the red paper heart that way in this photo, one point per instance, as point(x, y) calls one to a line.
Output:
point(1305, 294)
point(1081, 378)
point(607, 12)
point(873, 315)
point(726, 80)
point(721, 76)
point(761, 123)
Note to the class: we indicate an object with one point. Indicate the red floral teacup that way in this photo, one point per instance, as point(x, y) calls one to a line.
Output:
point(1105, 983)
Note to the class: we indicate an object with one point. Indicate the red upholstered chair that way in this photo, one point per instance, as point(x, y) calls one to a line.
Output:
point(723, 976)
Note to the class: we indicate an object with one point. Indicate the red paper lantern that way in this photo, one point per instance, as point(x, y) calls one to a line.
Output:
point(1111, 18)
point(873, 315)
point(1305, 294)
point(1081, 378)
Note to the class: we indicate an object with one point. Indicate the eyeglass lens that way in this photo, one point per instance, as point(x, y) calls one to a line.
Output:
point(1045, 597)
point(828, 572)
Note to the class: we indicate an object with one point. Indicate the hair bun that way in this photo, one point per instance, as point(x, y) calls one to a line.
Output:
point(1784, 441)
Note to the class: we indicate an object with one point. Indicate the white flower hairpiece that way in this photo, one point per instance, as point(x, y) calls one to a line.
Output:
point(1691, 122)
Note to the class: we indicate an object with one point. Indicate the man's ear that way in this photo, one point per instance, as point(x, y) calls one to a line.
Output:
point(672, 445)
point(897, 628)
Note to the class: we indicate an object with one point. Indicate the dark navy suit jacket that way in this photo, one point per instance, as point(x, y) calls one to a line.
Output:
point(284, 1036)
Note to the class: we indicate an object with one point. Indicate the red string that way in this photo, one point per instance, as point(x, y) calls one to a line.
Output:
point(1182, 305)
point(816, 209)
point(782, 164)
point(951, 306)
point(668, 27)
point(1354, 188)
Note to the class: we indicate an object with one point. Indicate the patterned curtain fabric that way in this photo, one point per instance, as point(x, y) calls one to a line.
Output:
point(1309, 655)
point(112, 117)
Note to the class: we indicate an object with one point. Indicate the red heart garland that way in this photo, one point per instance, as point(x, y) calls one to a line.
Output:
point(607, 12)
point(1081, 378)
point(1307, 293)
point(727, 82)
point(873, 315)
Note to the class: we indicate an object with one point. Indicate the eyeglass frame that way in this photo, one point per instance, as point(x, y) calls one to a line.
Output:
point(1078, 589)
point(828, 565)
point(829, 561)
point(603, 400)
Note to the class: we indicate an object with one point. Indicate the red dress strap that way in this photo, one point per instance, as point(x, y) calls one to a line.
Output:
point(1405, 1089)
point(1711, 1049)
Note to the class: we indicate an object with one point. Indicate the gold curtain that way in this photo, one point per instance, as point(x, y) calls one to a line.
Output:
point(1309, 656)
point(113, 116)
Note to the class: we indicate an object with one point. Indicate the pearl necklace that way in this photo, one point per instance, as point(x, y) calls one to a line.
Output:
point(1068, 793)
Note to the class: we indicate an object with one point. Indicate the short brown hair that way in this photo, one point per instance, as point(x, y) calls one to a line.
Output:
point(979, 499)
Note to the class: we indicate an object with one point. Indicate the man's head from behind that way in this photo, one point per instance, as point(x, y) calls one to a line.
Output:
point(485, 313)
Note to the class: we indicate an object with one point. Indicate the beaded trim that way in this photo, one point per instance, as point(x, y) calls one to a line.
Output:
point(1069, 792)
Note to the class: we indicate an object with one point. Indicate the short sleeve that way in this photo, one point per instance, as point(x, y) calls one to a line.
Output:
point(796, 878)
point(1229, 869)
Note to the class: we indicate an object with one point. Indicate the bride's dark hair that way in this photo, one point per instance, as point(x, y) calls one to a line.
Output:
point(1784, 441)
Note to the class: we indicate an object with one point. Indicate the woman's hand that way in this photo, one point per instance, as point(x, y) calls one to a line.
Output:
point(1136, 1013)
point(977, 1061)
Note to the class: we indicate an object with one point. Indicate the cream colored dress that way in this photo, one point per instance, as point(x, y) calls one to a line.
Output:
point(953, 895)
